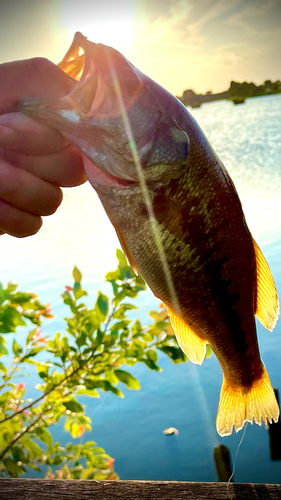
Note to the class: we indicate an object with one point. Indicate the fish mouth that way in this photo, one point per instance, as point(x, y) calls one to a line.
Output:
point(81, 63)
point(83, 115)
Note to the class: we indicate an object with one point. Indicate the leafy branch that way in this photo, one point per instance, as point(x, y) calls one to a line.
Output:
point(88, 357)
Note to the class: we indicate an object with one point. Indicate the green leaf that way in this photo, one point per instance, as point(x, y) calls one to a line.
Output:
point(34, 450)
point(11, 286)
point(102, 306)
point(76, 430)
point(147, 337)
point(42, 371)
point(17, 349)
point(81, 340)
point(135, 352)
point(111, 377)
point(21, 298)
point(10, 320)
point(104, 385)
point(140, 283)
point(57, 460)
point(3, 368)
point(4, 398)
point(18, 454)
point(33, 352)
point(33, 466)
point(3, 349)
point(151, 365)
point(73, 406)
point(77, 275)
point(113, 275)
point(88, 472)
point(68, 300)
point(13, 469)
point(136, 328)
point(208, 351)
point(44, 435)
point(120, 312)
point(30, 336)
point(78, 291)
point(175, 353)
point(116, 391)
point(93, 393)
point(128, 379)
point(152, 355)
point(122, 259)
point(93, 319)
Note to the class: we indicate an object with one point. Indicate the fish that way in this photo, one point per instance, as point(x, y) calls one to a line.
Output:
point(177, 215)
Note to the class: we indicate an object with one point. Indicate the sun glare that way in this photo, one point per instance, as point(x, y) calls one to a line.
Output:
point(115, 34)
point(114, 26)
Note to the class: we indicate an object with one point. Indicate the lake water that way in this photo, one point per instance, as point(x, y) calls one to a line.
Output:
point(248, 140)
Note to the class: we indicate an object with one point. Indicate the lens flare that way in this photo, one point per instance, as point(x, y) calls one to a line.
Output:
point(155, 230)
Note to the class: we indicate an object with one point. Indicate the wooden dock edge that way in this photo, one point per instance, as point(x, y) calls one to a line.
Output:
point(44, 489)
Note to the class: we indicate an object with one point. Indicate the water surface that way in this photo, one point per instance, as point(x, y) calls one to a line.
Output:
point(248, 140)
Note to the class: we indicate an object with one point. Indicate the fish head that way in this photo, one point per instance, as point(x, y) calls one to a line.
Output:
point(114, 116)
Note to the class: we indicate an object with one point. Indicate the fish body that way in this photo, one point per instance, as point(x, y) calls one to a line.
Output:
point(178, 217)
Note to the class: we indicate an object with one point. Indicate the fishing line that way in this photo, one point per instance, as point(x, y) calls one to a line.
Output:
point(234, 461)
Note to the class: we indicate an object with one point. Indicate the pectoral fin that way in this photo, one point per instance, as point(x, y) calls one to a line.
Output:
point(267, 308)
point(192, 345)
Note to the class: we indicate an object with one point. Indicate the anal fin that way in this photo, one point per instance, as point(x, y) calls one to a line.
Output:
point(267, 309)
point(192, 345)
point(239, 405)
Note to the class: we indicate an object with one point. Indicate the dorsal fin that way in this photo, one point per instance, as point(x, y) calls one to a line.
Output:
point(267, 308)
point(192, 345)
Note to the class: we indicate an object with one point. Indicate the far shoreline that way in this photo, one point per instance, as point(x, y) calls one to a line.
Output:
point(237, 93)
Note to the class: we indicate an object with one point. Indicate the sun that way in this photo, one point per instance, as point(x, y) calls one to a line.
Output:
point(118, 35)
point(114, 26)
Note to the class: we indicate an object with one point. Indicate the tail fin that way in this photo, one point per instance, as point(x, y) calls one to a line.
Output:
point(240, 405)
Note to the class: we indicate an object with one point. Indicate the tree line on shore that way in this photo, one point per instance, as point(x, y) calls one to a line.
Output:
point(237, 93)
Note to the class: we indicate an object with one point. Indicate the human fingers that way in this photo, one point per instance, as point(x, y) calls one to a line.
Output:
point(27, 192)
point(21, 133)
point(17, 222)
point(63, 168)
point(37, 77)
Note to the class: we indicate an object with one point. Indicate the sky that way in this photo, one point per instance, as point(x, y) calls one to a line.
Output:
point(198, 44)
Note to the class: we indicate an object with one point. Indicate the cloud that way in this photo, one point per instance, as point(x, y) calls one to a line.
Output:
point(188, 16)
point(256, 15)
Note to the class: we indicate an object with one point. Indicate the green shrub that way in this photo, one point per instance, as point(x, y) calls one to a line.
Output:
point(92, 355)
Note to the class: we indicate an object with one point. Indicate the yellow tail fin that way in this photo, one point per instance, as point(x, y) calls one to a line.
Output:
point(240, 405)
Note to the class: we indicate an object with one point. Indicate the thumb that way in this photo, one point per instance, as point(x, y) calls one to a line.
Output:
point(36, 77)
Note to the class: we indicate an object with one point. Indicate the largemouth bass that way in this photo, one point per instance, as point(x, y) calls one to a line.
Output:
point(177, 215)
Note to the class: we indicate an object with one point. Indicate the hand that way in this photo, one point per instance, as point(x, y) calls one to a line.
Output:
point(34, 159)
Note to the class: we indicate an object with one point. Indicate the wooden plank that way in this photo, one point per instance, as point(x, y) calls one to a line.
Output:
point(43, 489)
